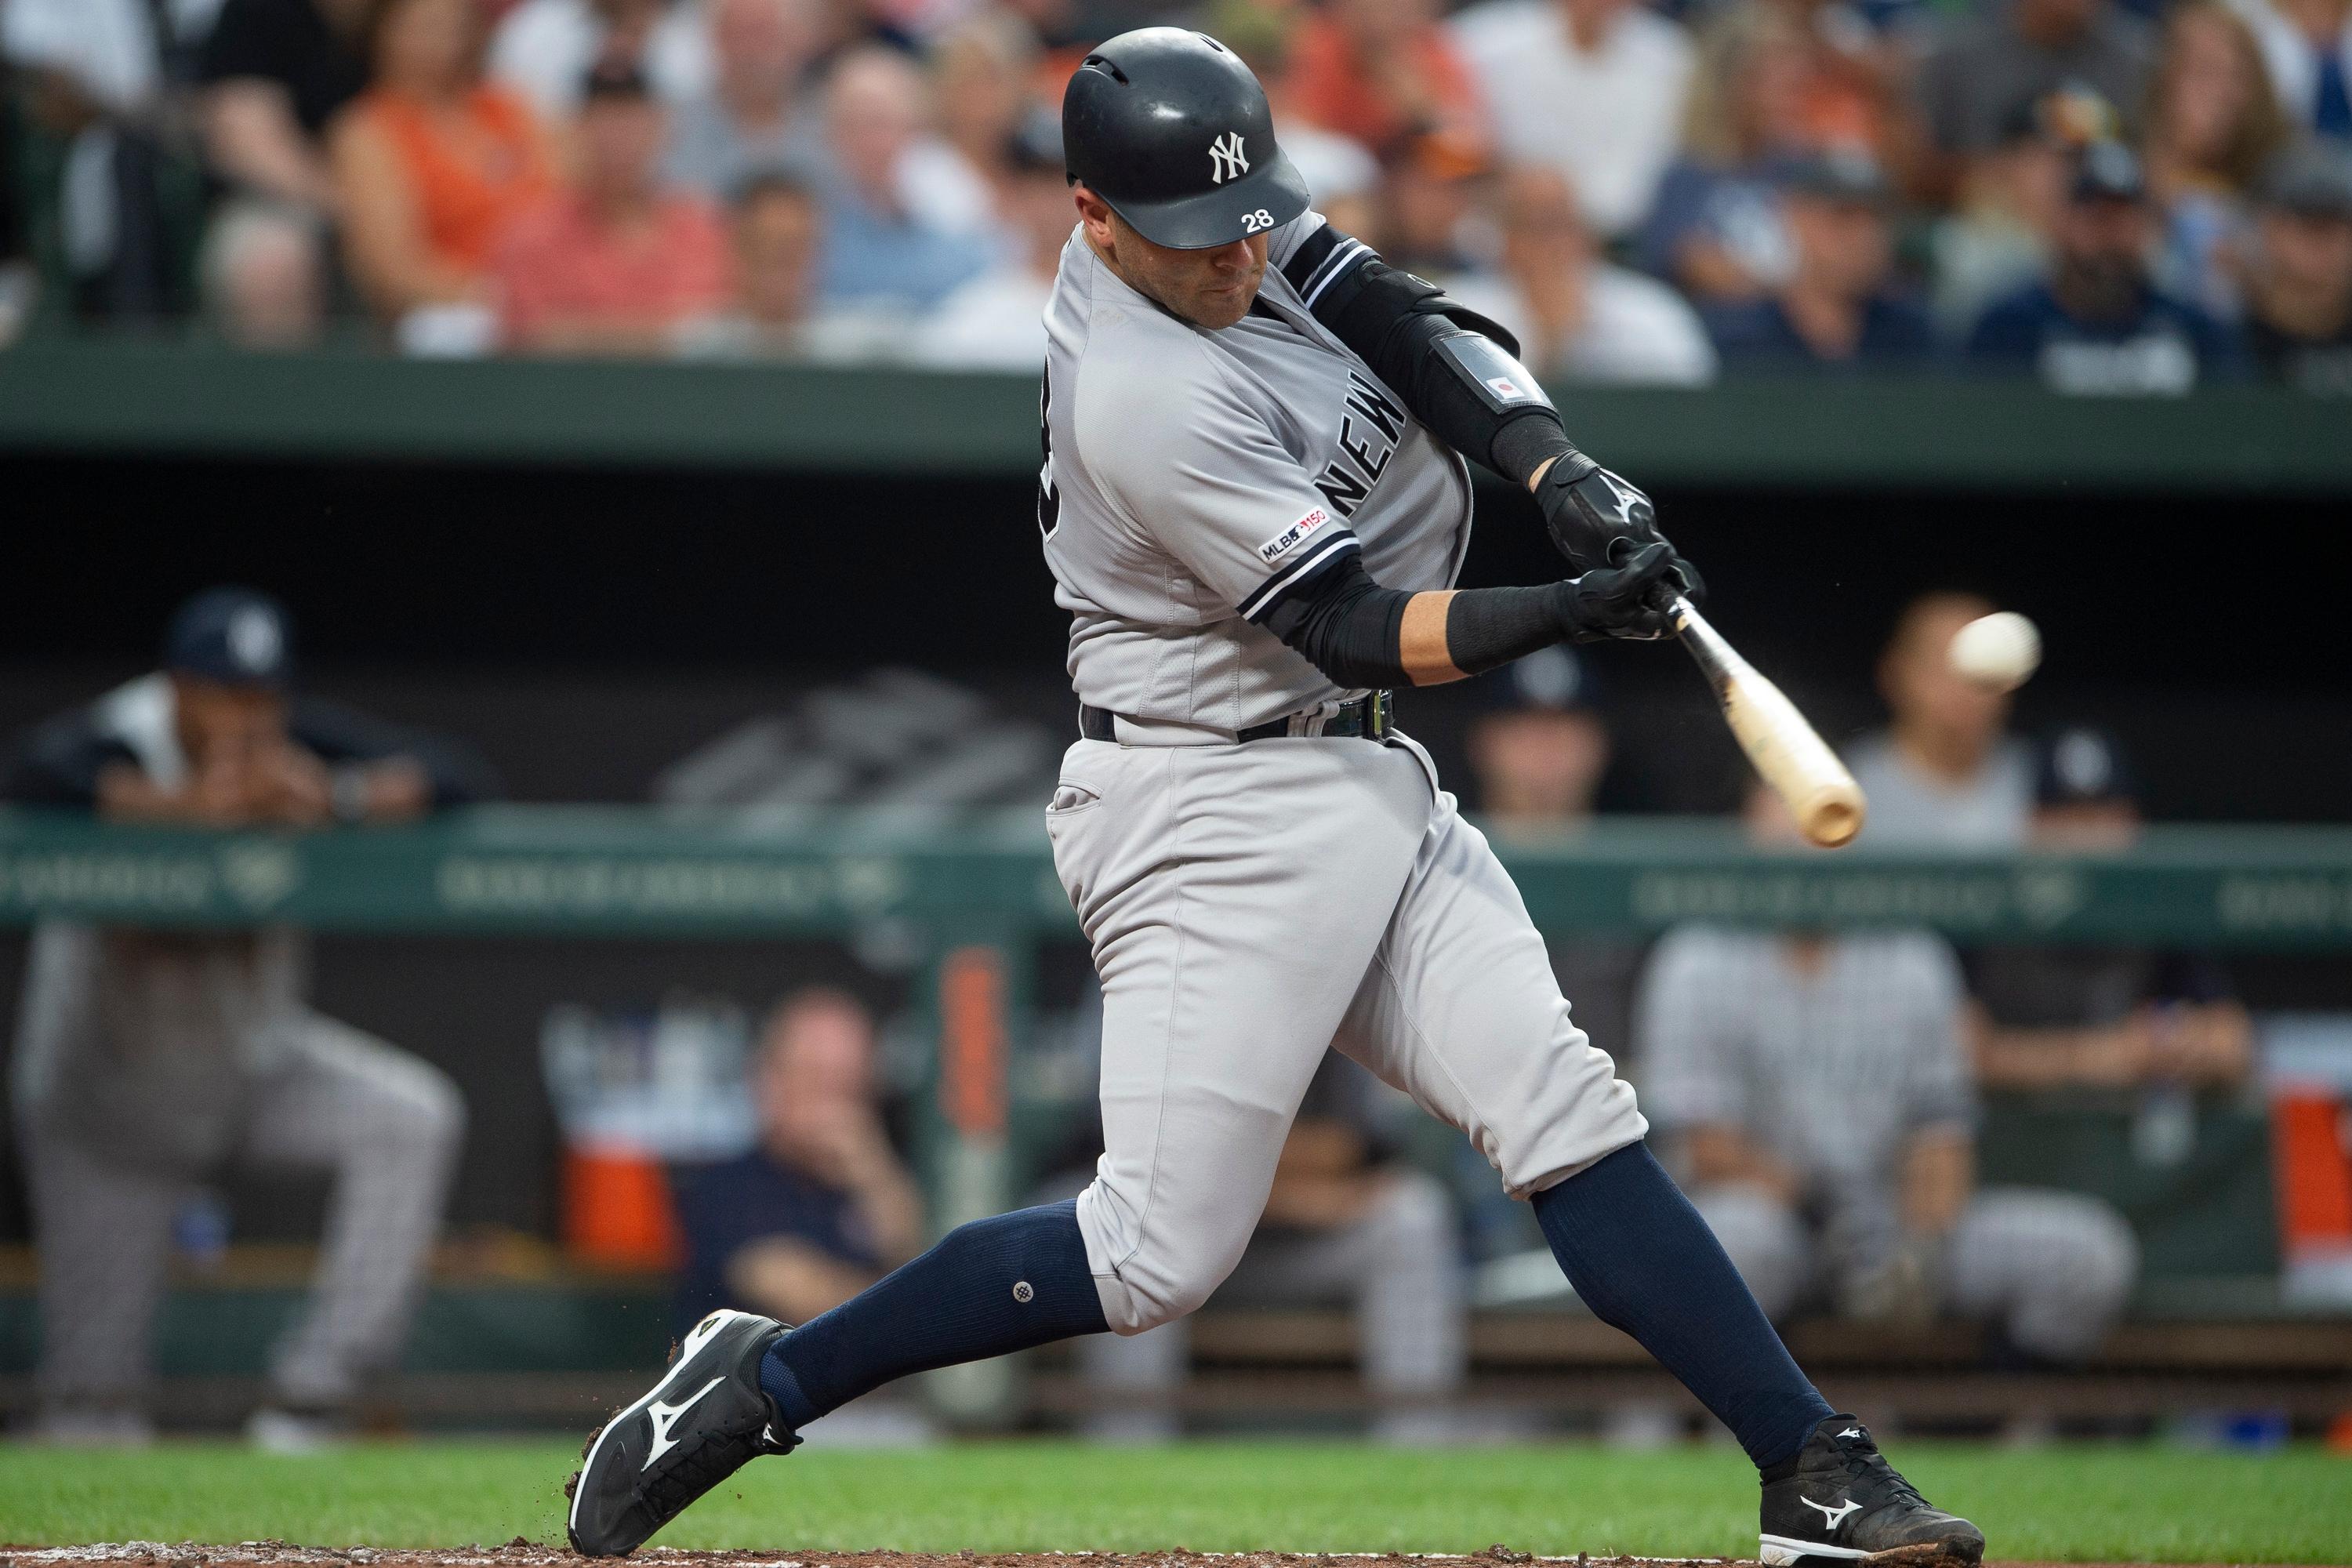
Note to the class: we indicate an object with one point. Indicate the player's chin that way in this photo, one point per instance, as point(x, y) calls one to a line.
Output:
point(1217, 308)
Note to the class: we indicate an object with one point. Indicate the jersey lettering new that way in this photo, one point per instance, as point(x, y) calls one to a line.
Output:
point(1191, 478)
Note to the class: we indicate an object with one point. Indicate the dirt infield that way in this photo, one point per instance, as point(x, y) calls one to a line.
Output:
point(522, 1553)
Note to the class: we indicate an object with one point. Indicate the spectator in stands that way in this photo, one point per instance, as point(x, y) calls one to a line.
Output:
point(1348, 1223)
point(1430, 220)
point(432, 164)
point(1814, 1088)
point(1595, 88)
point(1991, 59)
point(821, 1206)
point(757, 114)
point(1997, 238)
point(1838, 310)
point(274, 74)
point(1945, 772)
point(1716, 229)
point(2307, 45)
point(777, 230)
point(1384, 74)
point(1578, 317)
point(2213, 127)
point(1757, 107)
point(261, 276)
point(151, 1063)
point(619, 262)
point(996, 321)
point(2100, 1017)
point(102, 84)
point(905, 219)
point(2299, 288)
point(2097, 325)
point(543, 48)
point(983, 70)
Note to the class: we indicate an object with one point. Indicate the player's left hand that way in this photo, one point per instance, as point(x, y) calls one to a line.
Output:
point(1599, 519)
point(1625, 601)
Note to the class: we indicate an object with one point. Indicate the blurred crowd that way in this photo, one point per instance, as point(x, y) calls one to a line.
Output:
point(2106, 195)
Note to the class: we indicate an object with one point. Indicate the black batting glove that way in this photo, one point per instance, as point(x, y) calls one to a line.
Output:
point(1598, 518)
point(1627, 602)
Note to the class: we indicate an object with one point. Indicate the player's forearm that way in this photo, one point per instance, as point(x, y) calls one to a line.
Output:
point(1364, 636)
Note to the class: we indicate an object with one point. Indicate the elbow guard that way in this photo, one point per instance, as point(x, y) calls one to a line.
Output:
point(1457, 371)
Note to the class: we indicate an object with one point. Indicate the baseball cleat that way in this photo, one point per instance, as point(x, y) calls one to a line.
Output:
point(1839, 1502)
point(701, 1424)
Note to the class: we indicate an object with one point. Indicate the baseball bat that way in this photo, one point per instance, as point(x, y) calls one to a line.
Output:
point(1787, 751)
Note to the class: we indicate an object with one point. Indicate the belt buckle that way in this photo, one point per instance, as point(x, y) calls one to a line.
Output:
point(1378, 713)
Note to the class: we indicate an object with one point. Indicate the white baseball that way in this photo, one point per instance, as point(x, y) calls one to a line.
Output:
point(2000, 650)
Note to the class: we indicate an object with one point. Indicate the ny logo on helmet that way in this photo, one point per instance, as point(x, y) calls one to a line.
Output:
point(1225, 160)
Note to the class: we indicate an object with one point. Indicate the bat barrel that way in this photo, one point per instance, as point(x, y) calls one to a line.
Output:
point(1787, 752)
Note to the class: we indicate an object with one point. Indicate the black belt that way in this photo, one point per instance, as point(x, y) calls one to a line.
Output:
point(1371, 716)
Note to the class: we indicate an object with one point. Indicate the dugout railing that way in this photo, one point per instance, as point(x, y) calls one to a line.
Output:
point(977, 896)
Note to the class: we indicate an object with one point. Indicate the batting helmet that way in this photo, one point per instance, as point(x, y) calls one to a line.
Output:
point(1173, 130)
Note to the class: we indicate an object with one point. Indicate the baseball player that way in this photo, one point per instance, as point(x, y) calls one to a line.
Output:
point(150, 1062)
point(1253, 499)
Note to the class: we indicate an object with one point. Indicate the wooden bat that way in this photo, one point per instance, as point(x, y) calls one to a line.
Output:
point(1788, 752)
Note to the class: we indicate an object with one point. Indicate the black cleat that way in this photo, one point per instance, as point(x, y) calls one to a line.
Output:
point(1838, 1502)
point(701, 1424)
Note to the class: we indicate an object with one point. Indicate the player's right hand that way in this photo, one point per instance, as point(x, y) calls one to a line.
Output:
point(1620, 601)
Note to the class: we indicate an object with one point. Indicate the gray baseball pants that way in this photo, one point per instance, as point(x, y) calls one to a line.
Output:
point(385, 1124)
point(1252, 905)
point(2054, 1269)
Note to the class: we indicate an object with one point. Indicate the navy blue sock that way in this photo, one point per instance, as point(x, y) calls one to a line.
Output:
point(988, 1288)
point(1645, 1262)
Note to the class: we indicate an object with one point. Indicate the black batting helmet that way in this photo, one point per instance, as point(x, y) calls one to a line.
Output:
point(1173, 130)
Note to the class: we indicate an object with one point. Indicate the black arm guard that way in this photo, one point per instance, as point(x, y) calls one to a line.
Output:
point(1351, 628)
point(1345, 625)
point(1454, 368)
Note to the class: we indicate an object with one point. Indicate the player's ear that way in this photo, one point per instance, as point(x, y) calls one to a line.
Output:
point(1095, 213)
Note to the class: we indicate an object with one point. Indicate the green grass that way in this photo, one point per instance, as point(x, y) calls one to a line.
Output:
point(2115, 1504)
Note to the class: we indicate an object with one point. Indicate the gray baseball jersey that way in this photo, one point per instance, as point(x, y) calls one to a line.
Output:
point(1192, 477)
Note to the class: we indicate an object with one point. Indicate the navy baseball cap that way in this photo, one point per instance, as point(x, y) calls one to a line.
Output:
point(239, 636)
point(1549, 680)
point(2084, 766)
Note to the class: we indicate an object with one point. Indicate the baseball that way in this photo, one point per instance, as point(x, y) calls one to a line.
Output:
point(2000, 650)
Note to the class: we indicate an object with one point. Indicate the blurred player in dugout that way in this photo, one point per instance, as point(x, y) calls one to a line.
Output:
point(150, 1063)
point(1816, 1088)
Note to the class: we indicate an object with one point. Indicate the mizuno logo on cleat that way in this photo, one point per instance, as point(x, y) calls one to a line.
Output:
point(1850, 1432)
point(1831, 1517)
point(665, 1416)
